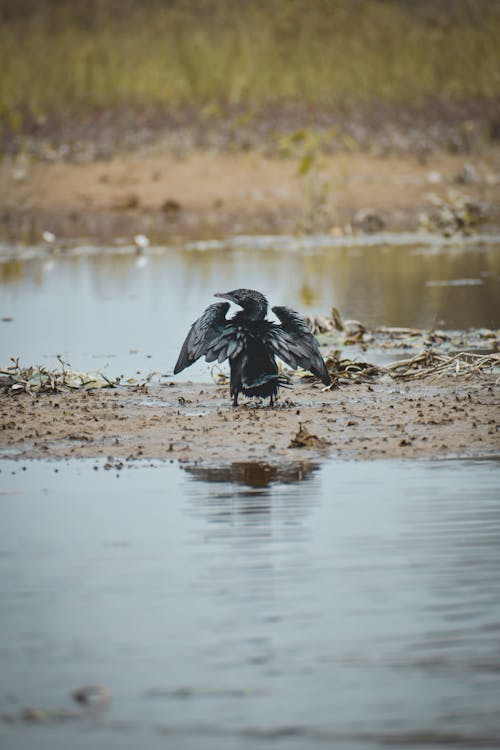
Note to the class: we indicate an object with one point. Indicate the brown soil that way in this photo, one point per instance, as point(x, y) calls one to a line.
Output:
point(194, 423)
point(209, 194)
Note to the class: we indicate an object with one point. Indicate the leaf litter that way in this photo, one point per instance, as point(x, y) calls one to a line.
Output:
point(36, 379)
point(457, 353)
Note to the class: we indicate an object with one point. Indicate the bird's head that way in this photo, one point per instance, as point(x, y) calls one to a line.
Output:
point(253, 303)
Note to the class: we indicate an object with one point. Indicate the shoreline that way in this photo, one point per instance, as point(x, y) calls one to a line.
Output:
point(207, 195)
point(195, 423)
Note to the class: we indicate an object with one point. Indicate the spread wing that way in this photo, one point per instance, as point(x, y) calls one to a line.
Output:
point(203, 334)
point(294, 343)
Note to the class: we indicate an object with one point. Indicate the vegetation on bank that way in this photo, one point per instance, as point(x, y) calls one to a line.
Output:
point(64, 58)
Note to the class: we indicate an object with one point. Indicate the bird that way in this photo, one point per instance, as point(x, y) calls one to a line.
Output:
point(251, 343)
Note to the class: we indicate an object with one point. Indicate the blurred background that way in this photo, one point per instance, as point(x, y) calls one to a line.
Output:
point(62, 58)
point(243, 69)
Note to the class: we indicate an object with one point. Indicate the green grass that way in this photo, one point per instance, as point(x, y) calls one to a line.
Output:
point(70, 57)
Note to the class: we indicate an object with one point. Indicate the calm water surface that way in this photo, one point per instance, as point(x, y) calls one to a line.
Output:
point(127, 313)
point(350, 605)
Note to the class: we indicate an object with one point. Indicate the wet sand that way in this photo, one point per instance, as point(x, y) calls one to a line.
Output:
point(196, 423)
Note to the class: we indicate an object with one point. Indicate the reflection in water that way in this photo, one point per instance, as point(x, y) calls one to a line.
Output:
point(105, 306)
point(257, 493)
point(13, 271)
point(252, 473)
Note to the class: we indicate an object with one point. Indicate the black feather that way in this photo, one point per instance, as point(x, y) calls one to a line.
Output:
point(295, 344)
point(202, 335)
point(251, 343)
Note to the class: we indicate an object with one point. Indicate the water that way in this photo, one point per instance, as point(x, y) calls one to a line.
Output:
point(348, 605)
point(124, 313)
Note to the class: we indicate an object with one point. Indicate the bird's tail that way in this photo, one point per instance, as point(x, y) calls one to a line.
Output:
point(280, 380)
point(260, 380)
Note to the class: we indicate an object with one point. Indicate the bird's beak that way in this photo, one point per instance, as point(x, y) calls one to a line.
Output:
point(225, 296)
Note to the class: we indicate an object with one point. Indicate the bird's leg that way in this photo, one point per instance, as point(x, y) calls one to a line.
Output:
point(271, 401)
point(235, 399)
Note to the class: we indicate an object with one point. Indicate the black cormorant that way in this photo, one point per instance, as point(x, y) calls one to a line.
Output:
point(251, 343)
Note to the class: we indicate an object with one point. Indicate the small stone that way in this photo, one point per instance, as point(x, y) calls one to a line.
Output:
point(434, 178)
point(368, 220)
point(467, 175)
point(141, 241)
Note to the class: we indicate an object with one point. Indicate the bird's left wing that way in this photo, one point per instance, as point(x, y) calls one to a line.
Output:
point(294, 343)
point(202, 334)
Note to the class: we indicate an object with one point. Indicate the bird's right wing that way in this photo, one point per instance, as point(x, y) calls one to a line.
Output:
point(202, 335)
point(295, 344)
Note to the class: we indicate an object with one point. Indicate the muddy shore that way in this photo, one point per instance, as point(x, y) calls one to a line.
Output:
point(196, 423)
point(205, 195)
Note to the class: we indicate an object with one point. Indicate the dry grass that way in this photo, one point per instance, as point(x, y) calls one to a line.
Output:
point(59, 57)
point(35, 379)
point(426, 365)
point(431, 365)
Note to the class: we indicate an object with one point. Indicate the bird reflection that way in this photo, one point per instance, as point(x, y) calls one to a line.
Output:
point(254, 490)
point(256, 474)
point(251, 506)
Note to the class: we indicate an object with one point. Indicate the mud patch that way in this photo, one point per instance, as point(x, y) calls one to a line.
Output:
point(193, 423)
